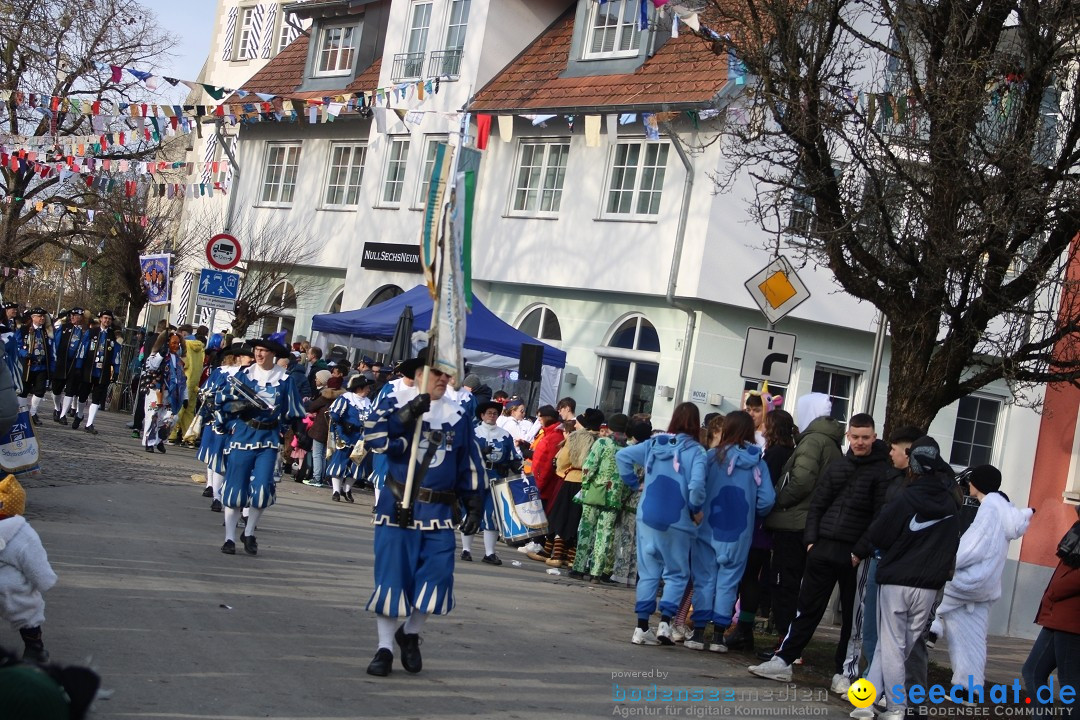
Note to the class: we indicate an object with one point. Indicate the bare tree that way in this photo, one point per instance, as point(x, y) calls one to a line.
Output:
point(274, 252)
point(48, 49)
point(927, 154)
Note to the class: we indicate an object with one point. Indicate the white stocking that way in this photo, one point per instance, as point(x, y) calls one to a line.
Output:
point(387, 627)
point(466, 543)
point(490, 536)
point(67, 405)
point(209, 477)
point(92, 414)
point(34, 402)
point(252, 520)
point(232, 517)
point(218, 481)
point(347, 483)
point(336, 481)
point(415, 623)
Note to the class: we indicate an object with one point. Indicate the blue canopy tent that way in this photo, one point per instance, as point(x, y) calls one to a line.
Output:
point(489, 341)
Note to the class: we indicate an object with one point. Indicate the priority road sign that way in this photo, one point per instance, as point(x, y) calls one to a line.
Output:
point(768, 355)
point(777, 289)
point(217, 289)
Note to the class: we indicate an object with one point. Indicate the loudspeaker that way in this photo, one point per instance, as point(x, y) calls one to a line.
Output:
point(532, 360)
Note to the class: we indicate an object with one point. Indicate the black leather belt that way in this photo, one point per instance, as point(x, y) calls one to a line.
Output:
point(425, 495)
point(258, 425)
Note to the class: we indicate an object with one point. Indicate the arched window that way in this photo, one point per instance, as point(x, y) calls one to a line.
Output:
point(283, 299)
point(542, 324)
point(335, 307)
point(386, 292)
point(631, 364)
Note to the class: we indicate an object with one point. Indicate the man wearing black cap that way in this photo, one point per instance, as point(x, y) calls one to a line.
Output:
point(35, 351)
point(500, 459)
point(100, 366)
point(261, 400)
point(11, 316)
point(67, 363)
point(414, 546)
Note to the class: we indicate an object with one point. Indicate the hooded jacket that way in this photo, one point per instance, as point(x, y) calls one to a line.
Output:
point(674, 485)
point(543, 463)
point(918, 534)
point(318, 406)
point(849, 495)
point(25, 573)
point(980, 557)
point(1060, 606)
point(193, 363)
point(817, 446)
point(738, 490)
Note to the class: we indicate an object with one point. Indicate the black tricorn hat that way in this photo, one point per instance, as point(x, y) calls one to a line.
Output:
point(106, 313)
point(485, 406)
point(591, 419)
point(408, 368)
point(273, 346)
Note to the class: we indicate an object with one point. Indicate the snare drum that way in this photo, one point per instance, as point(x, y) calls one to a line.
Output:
point(519, 510)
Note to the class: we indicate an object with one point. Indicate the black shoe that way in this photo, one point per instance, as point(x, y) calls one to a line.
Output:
point(348, 496)
point(161, 448)
point(71, 412)
point(62, 420)
point(382, 663)
point(173, 441)
point(410, 650)
point(741, 637)
point(575, 575)
point(91, 429)
point(75, 422)
point(229, 548)
point(250, 546)
point(149, 448)
point(35, 654)
point(36, 419)
point(336, 497)
point(492, 559)
point(208, 491)
point(466, 556)
point(604, 579)
point(215, 506)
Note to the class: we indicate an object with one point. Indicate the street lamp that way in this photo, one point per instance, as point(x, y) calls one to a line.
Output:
point(65, 258)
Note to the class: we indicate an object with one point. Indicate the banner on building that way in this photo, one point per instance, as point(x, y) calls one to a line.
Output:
point(156, 278)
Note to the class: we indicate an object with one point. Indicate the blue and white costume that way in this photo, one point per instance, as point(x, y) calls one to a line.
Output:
point(414, 566)
point(347, 415)
point(66, 373)
point(380, 464)
point(255, 436)
point(500, 457)
point(35, 351)
point(11, 356)
point(738, 490)
point(674, 489)
point(165, 386)
point(214, 437)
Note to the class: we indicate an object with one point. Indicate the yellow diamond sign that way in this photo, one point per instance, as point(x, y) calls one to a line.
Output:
point(777, 289)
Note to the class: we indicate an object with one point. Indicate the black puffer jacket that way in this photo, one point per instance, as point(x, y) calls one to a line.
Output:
point(918, 534)
point(848, 496)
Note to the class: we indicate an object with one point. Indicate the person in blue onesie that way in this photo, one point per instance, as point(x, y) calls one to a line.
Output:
point(738, 489)
point(255, 438)
point(668, 513)
point(414, 547)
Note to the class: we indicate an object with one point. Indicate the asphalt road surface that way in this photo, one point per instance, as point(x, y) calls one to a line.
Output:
point(178, 630)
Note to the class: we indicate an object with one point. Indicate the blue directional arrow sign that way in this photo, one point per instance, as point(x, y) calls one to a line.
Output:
point(218, 289)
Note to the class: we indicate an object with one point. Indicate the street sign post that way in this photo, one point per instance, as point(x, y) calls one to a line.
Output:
point(777, 290)
point(223, 251)
point(218, 290)
point(768, 355)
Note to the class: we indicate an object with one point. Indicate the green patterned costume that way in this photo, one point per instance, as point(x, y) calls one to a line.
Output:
point(602, 496)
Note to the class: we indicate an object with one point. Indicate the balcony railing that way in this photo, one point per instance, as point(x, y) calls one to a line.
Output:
point(407, 66)
point(445, 63)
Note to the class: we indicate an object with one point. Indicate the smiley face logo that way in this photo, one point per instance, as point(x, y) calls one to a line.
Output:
point(862, 693)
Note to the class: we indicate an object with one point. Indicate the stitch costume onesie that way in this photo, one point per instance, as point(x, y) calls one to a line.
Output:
point(673, 491)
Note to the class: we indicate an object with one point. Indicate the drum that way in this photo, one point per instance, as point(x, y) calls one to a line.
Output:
point(519, 510)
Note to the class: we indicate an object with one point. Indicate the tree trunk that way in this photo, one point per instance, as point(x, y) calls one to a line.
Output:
point(914, 397)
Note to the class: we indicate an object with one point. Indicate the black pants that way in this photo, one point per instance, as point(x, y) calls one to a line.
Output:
point(140, 410)
point(66, 385)
point(828, 564)
point(751, 585)
point(788, 561)
point(95, 389)
point(35, 383)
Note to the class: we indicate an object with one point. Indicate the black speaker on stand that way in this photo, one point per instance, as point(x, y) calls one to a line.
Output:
point(530, 367)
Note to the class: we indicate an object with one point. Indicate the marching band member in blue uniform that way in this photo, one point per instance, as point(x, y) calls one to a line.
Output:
point(34, 343)
point(11, 349)
point(215, 434)
point(379, 462)
point(414, 547)
point(259, 402)
point(347, 415)
point(100, 365)
point(66, 371)
point(500, 459)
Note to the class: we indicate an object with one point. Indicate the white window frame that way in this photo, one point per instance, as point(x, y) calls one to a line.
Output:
point(981, 397)
point(283, 33)
point(353, 178)
point(389, 162)
point(344, 56)
point(291, 152)
point(633, 356)
point(636, 188)
point(853, 375)
point(540, 186)
point(627, 8)
point(461, 25)
point(544, 311)
point(431, 142)
point(412, 29)
point(245, 23)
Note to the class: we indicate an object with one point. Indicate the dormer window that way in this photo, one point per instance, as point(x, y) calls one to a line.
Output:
point(337, 51)
point(613, 30)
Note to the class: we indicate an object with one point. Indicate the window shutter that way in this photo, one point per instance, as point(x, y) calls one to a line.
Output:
point(258, 16)
point(230, 35)
point(268, 31)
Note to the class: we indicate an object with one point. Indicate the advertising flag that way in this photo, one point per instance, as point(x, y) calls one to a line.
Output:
point(156, 278)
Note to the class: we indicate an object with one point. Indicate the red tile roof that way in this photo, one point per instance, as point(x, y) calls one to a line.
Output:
point(285, 73)
point(683, 74)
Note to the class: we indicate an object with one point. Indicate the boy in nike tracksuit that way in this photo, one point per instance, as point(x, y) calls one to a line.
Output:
point(917, 534)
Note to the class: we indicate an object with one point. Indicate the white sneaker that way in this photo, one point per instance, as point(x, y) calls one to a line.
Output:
point(644, 637)
point(717, 646)
point(840, 684)
point(680, 633)
point(663, 634)
point(773, 669)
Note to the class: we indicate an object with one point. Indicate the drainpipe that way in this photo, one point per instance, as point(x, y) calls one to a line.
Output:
point(676, 260)
point(230, 204)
